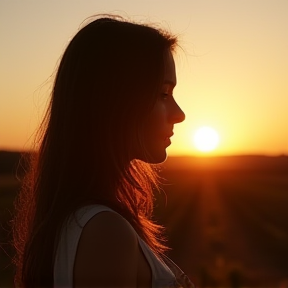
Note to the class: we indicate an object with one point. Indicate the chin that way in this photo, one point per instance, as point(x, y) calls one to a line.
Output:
point(156, 158)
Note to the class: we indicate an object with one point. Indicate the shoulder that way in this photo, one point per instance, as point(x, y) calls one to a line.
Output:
point(108, 246)
point(109, 227)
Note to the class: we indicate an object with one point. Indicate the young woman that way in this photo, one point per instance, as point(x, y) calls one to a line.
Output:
point(84, 213)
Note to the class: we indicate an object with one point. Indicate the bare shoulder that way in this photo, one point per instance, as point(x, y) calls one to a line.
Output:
point(105, 226)
point(108, 246)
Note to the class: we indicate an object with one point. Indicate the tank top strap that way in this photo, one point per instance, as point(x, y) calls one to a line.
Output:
point(164, 272)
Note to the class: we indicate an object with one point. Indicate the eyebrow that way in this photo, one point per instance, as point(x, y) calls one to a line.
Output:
point(169, 82)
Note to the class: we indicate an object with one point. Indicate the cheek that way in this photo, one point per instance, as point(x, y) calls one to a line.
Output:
point(152, 136)
point(155, 122)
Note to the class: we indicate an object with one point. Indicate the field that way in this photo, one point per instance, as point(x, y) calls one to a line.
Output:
point(8, 190)
point(226, 219)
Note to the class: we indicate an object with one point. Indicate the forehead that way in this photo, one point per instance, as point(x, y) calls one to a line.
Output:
point(170, 71)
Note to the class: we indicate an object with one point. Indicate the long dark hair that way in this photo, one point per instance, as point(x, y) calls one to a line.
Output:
point(106, 84)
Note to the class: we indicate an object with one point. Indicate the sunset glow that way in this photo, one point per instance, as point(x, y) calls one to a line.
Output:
point(206, 139)
point(231, 67)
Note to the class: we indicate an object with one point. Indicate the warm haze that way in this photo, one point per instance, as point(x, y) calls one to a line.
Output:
point(232, 70)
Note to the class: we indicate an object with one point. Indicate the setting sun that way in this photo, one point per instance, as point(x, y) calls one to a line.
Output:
point(206, 139)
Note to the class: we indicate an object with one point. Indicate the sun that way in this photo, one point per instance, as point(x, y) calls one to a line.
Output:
point(206, 139)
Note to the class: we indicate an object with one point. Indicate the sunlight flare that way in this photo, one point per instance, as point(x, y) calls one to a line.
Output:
point(206, 139)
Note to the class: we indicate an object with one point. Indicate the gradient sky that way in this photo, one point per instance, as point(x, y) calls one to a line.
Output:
point(232, 75)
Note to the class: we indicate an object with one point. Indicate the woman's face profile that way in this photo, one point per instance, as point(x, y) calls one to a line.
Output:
point(158, 126)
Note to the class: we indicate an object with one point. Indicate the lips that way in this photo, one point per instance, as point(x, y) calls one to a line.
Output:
point(169, 135)
point(167, 139)
point(167, 142)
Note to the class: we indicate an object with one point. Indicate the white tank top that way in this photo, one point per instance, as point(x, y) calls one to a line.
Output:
point(164, 272)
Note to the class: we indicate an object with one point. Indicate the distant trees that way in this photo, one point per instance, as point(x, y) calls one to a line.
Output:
point(13, 162)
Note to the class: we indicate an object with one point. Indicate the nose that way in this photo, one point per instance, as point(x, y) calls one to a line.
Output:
point(177, 115)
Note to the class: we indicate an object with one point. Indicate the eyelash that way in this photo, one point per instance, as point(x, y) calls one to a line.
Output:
point(166, 95)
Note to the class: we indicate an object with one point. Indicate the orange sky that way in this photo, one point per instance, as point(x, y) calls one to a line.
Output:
point(233, 74)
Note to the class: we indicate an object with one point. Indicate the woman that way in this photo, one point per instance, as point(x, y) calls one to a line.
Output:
point(84, 213)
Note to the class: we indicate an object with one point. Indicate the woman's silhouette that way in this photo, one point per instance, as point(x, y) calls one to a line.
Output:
point(84, 213)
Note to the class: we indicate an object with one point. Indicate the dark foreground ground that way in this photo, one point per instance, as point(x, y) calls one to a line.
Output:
point(226, 218)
